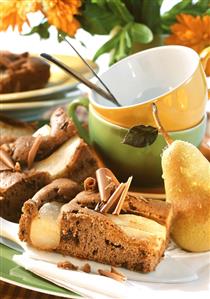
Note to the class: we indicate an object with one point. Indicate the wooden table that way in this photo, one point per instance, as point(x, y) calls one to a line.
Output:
point(9, 291)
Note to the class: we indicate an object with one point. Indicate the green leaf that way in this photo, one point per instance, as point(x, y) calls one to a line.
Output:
point(108, 46)
point(140, 136)
point(98, 19)
point(177, 8)
point(150, 15)
point(42, 29)
point(61, 35)
point(120, 10)
point(141, 33)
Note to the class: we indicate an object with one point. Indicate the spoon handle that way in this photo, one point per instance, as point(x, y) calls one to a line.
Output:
point(80, 78)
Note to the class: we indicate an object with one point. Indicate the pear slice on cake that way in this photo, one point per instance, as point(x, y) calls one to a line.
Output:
point(186, 174)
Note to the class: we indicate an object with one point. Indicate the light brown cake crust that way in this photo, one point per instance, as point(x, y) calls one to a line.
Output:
point(88, 234)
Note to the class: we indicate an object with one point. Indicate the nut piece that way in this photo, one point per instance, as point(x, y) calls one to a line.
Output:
point(112, 275)
point(67, 265)
point(86, 268)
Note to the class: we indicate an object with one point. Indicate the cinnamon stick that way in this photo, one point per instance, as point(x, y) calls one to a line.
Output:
point(114, 197)
point(90, 184)
point(123, 196)
point(33, 151)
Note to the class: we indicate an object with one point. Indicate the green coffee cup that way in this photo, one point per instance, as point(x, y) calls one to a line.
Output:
point(144, 164)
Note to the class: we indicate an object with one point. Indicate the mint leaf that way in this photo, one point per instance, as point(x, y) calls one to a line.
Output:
point(141, 136)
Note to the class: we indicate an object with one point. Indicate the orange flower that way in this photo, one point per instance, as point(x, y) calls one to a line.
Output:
point(60, 13)
point(190, 31)
point(14, 13)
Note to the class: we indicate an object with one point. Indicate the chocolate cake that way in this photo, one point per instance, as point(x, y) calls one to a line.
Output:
point(135, 238)
point(22, 72)
point(11, 129)
point(58, 154)
point(16, 188)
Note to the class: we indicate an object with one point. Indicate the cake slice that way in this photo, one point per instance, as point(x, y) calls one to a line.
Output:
point(16, 188)
point(11, 129)
point(52, 152)
point(22, 72)
point(73, 159)
point(133, 239)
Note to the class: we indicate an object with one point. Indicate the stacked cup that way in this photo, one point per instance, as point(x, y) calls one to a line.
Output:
point(173, 78)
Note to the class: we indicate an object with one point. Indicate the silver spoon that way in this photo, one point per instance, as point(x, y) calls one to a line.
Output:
point(81, 78)
point(90, 68)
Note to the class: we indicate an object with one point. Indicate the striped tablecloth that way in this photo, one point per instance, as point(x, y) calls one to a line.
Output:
point(9, 291)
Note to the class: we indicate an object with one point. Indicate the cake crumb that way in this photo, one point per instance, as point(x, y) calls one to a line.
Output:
point(86, 268)
point(67, 265)
point(111, 275)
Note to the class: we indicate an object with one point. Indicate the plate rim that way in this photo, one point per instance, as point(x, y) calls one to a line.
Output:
point(49, 91)
point(4, 278)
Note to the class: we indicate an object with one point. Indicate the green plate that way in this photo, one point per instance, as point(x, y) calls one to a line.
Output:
point(14, 274)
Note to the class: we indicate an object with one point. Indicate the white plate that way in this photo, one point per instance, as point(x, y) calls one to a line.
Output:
point(39, 109)
point(59, 81)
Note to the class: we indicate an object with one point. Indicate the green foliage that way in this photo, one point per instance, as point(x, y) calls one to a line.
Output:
point(121, 43)
point(42, 29)
point(128, 21)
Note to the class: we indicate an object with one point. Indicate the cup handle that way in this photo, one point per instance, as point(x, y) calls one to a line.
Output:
point(72, 112)
point(204, 57)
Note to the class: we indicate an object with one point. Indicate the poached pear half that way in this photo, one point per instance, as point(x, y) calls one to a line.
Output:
point(186, 174)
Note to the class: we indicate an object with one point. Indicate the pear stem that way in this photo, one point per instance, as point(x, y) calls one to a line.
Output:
point(165, 135)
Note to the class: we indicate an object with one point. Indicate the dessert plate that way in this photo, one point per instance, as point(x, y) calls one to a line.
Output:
point(39, 109)
point(16, 275)
point(59, 82)
point(177, 268)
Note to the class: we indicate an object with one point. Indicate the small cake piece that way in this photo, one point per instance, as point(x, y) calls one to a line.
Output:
point(44, 208)
point(60, 130)
point(16, 188)
point(59, 153)
point(73, 160)
point(130, 240)
point(11, 129)
point(21, 72)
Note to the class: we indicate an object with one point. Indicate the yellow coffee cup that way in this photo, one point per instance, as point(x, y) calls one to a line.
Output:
point(171, 76)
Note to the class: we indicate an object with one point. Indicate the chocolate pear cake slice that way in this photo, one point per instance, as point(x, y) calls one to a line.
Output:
point(16, 187)
point(31, 162)
point(135, 239)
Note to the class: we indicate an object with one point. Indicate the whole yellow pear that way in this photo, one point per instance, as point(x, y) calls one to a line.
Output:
point(186, 174)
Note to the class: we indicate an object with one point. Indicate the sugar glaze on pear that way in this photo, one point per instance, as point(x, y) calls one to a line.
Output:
point(186, 174)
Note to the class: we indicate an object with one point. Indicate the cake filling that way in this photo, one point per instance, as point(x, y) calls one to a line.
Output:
point(45, 227)
point(139, 227)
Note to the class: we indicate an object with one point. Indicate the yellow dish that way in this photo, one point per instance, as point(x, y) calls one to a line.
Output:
point(170, 76)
